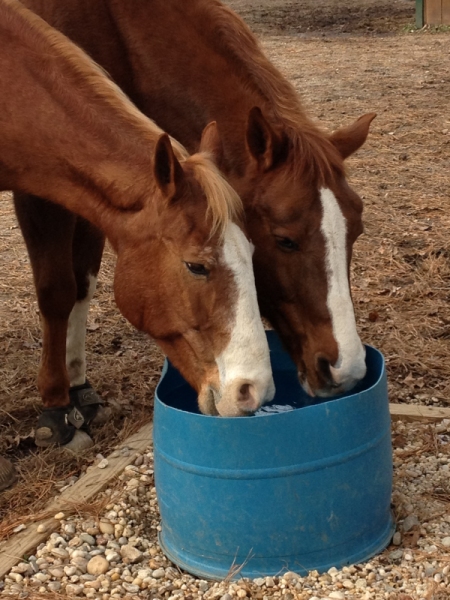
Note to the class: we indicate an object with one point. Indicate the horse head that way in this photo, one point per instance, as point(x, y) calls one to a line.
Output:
point(198, 298)
point(303, 219)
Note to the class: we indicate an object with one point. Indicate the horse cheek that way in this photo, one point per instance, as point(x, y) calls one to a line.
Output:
point(126, 293)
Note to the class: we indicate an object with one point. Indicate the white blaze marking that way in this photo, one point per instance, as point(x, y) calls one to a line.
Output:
point(246, 358)
point(76, 337)
point(350, 366)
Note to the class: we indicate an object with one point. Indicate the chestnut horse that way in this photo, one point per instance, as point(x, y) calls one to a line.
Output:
point(185, 63)
point(184, 269)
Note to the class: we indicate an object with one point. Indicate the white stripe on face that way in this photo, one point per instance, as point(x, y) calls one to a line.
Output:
point(76, 337)
point(350, 366)
point(246, 358)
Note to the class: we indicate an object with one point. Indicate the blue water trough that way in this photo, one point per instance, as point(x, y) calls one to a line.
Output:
point(295, 490)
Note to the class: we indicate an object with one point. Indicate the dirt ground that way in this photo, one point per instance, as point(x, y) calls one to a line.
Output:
point(345, 58)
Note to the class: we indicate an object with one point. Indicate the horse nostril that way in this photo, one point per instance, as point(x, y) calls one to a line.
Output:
point(245, 392)
point(323, 369)
point(248, 397)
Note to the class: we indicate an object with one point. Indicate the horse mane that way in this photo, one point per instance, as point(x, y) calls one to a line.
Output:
point(224, 204)
point(312, 151)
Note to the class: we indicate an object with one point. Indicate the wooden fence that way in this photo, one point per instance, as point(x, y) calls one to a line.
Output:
point(432, 12)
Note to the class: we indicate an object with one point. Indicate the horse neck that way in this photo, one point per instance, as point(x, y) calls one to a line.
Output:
point(185, 77)
point(64, 139)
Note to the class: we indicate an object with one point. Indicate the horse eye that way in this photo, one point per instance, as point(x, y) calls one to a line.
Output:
point(286, 243)
point(197, 269)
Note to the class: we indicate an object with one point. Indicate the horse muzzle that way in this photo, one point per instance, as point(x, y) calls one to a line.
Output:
point(244, 397)
point(330, 380)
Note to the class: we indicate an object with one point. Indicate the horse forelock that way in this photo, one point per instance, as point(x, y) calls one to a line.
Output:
point(313, 156)
point(223, 203)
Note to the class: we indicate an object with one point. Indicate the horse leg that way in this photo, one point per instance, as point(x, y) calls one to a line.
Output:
point(87, 250)
point(48, 231)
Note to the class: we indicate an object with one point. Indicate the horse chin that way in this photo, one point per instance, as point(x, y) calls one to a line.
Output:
point(325, 392)
point(305, 384)
point(207, 401)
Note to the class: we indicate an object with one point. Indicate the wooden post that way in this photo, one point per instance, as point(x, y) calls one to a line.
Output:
point(445, 12)
point(432, 12)
point(419, 14)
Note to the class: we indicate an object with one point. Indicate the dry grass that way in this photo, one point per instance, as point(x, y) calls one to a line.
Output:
point(401, 272)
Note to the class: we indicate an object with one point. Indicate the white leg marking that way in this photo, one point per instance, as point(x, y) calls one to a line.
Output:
point(76, 337)
point(350, 366)
point(246, 358)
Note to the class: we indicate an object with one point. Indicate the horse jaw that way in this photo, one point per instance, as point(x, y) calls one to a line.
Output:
point(245, 375)
point(350, 366)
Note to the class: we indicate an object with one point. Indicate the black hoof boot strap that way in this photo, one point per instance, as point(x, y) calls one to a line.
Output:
point(58, 425)
point(86, 400)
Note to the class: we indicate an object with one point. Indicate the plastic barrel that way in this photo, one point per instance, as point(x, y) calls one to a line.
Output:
point(300, 490)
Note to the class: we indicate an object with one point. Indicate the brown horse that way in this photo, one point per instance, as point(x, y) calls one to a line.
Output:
point(184, 269)
point(185, 63)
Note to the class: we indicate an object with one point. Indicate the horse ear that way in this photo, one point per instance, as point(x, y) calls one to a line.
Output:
point(349, 139)
point(166, 169)
point(212, 143)
point(263, 143)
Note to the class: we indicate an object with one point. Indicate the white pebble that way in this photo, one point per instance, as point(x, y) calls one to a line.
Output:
point(54, 586)
point(97, 565)
point(129, 587)
point(132, 554)
point(59, 552)
point(59, 516)
point(158, 573)
point(85, 537)
point(336, 595)
point(397, 539)
point(69, 528)
point(106, 526)
point(22, 567)
point(112, 556)
point(73, 589)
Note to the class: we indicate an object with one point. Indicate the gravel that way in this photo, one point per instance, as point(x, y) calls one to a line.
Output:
point(116, 555)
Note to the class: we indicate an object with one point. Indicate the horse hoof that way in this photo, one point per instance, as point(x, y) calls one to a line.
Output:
point(56, 426)
point(43, 437)
point(81, 441)
point(103, 415)
point(8, 474)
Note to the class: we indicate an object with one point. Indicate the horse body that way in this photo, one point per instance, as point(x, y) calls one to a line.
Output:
point(187, 63)
point(183, 271)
